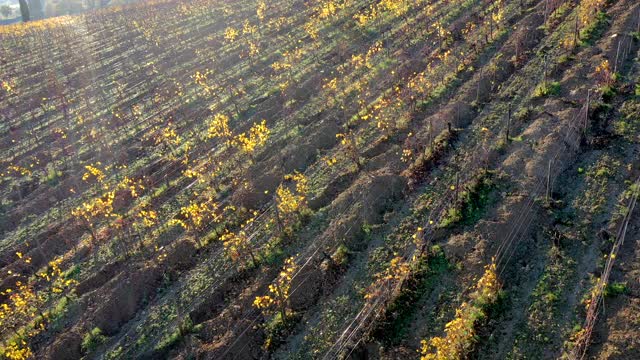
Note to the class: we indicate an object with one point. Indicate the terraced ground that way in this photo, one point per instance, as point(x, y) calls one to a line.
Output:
point(401, 179)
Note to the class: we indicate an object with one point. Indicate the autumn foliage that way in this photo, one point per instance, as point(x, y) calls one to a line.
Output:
point(460, 333)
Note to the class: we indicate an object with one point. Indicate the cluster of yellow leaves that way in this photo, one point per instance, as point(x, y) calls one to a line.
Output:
point(26, 28)
point(350, 144)
point(95, 208)
point(417, 237)
point(93, 171)
point(288, 201)
point(364, 60)
point(230, 34)
point(261, 9)
point(377, 10)
point(278, 291)
point(604, 73)
point(460, 332)
point(278, 23)
point(146, 218)
point(441, 31)
point(254, 49)
point(328, 9)
point(330, 161)
point(257, 137)
point(331, 84)
point(290, 58)
point(196, 214)
point(588, 9)
point(19, 170)
point(219, 127)
point(22, 312)
point(407, 155)
point(247, 141)
point(6, 86)
point(238, 244)
point(191, 173)
point(60, 132)
point(397, 270)
point(168, 136)
point(17, 350)
point(202, 80)
point(134, 187)
point(498, 15)
point(346, 139)
point(311, 28)
point(325, 10)
point(248, 28)
point(54, 275)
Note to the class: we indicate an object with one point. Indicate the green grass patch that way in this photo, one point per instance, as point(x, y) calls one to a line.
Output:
point(589, 34)
point(425, 277)
point(608, 92)
point(524, 114)
point(171, 340)
point(628, 124)
point(278, 328)
point(92, 340)
point(615, 289)
point(474, 202)
point(547, 89)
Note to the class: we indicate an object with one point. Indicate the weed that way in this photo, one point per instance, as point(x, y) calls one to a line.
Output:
point(608, 92)
point(92, 340)
point(628, 124)
point(453, 216)
point(425, 277)
point(115, 353)
point(595, 30)
point(523, 115)
point(277, 328)
point(615, 289)
point(273, 253)
point(547, 89)
point(473, 202)
point(53, 175)
point(185, 328)
point(341, 255)
point(565, 59)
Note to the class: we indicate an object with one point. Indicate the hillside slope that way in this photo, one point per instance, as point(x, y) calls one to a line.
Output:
point(322, 179)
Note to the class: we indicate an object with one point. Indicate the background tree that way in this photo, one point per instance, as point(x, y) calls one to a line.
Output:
point(24, 10)
point(35, 9)
point(6, 11)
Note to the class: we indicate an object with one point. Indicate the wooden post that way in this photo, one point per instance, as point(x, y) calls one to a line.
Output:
point(586, 112)
point(449, 127)
point(508, 124)
point(548, 195)
point(575, 30)
point(431, 134)
point(278, 218)
point(478, 89)
point(615, 66)
point(628, 50)
point(544, 72)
